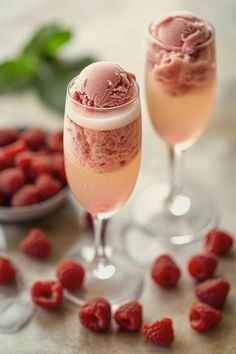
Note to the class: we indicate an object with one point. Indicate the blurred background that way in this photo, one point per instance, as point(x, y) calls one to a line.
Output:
point(117, 31)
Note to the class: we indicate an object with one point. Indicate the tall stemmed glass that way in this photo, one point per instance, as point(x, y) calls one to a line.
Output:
point(180, 91)
point(102, 148)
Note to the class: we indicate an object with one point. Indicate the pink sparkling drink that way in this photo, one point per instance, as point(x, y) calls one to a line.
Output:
point(180, 77)
point(102, 153)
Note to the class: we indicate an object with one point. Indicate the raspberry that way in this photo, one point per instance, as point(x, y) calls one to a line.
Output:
point(70, 274)
point(89, 219)
point(129, 316)
point(15, 148)
point(213, 292)
point(218, 242)
point(42, 165)
point(47, 294)
point(59, 168)
point(47, 186)
point(96, 315)
point(7, 271)
point(55, 141)
point(36, 244)
point(202, 266)
point(27, 195)
point(24, 159)
point(5, 162)
point(159, 332)
point(8, 136)
point(203, 317)
point(35, 138)
point(165, 272)
point(2, 198)
point(11, 180)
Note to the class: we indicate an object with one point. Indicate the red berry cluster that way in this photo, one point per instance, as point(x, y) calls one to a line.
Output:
point(31, 166)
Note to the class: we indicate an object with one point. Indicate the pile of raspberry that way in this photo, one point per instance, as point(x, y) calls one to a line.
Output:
point(96, 314)
point(31, 166)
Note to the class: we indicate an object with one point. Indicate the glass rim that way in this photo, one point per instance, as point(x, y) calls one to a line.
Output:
point(170, 47)
point(102, 109)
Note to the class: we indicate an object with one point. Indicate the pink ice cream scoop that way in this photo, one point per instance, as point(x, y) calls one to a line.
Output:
point(181, 52)
point(115, 144)
point(104, 84)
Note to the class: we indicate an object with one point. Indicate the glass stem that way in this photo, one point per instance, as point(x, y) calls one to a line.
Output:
point(176, 172)
point(100, 256)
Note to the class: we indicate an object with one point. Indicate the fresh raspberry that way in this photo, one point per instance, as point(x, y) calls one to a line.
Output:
point(11, 180)
point(47, 186)
point(129, 316)
point(15, 148)
point(213, 292)
point(159, 332)
point(42, 165)
point(89, 219)
point(7, 271)
point(202, 266)
point(165, 272)
point(59, 167)
point(35, 138)
point(218, 242)
point(36, 244)
point(6, 162)
point(203, 317)
point(24, 159)
point(2, 198)
point(8, 136)
point(55, 141)
point(96, 315)
point(70, 274)
point(47, 294)
point(27, 195)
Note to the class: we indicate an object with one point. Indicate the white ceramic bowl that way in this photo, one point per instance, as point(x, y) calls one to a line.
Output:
point(34, 211)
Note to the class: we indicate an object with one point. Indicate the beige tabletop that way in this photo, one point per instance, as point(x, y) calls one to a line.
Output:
point(116, 30)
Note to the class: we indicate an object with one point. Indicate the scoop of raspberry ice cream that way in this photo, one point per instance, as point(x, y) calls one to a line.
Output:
point(103, 84)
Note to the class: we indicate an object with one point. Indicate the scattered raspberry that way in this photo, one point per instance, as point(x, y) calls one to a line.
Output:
point(70, 274)
point(202, 266)
point(129, 316)
point(218, 242)
point(27, 195)
point(58, 165)
point(35, 138)
point(55, 141)
point(8, 136)
point(7, 271)
point(96, 315)
point(24, 159)
point(42, 165)
point(203, 317)
point(159, 332)
point(36, 244)
point(47, 294)
point(15, 148)
point(213, 292)
point(47, 186)
point(11, 180)
point(165, 272)
point(5, 162)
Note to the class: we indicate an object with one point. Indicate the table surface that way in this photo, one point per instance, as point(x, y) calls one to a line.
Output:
point(118, 34)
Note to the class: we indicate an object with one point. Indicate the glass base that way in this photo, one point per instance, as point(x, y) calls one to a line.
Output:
point(118, 282)
point(180, 221)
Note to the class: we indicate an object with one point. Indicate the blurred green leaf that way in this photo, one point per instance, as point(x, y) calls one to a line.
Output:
point(18, 73)
point(47, 41)
point(54, 77)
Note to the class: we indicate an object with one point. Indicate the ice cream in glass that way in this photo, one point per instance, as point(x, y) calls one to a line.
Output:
point(102, 147)
point(180, 92)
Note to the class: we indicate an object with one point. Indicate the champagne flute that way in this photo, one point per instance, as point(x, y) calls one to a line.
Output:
point(102, 148)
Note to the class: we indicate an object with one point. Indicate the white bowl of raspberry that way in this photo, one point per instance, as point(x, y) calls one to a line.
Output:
point(32, 175)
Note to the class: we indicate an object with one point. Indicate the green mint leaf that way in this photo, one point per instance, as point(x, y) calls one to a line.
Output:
point(54, 77)
point(17, 73)
point(47, 41)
